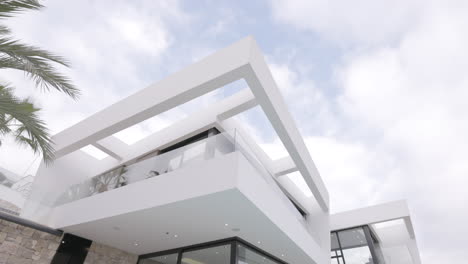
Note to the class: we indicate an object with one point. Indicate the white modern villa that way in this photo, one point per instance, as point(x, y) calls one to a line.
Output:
point(202, 190)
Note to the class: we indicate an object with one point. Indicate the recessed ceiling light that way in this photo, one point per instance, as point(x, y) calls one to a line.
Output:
point(282, 255)
point(175, 235)
point(136, 244)
point(226, 224)
point(258, 242)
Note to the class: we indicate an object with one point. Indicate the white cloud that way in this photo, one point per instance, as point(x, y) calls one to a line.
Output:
point(350, 22)
point(308, 104)
point(414, 96)
point(146, 37)
point(402, 93)
point(111, 46)
point(347, 169)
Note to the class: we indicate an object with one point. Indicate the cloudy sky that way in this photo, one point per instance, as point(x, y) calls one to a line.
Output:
point(378, 88)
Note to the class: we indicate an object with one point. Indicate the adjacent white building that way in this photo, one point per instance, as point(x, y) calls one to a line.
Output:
point(201, 190)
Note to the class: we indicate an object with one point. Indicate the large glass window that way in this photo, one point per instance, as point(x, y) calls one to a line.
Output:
point(355, 248)
point(352, 246)
point(210, 255)
point(229, 251)
point(248, 256)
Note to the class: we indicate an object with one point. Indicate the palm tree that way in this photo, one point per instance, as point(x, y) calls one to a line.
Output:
point(19, 117)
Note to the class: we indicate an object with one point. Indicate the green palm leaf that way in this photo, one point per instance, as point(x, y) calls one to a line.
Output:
point(19, 118)
point(36, 63)
point(10, 7)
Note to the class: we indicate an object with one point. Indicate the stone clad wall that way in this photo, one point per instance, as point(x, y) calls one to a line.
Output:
point(9, 207)
point(101, 254)
point(24, 245)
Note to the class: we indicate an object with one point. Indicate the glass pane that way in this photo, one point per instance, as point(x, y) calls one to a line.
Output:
point(352, 238)
point(334, 242)
point(197, 152)
point(354, 245)
point(247, 256)
point(165, 259)
point(360, 255)
point(212, 255)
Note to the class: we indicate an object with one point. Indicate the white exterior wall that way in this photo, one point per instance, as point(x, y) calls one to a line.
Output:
point(268, 217)
point(242, 60)
point(11, 196)
point(392, 226)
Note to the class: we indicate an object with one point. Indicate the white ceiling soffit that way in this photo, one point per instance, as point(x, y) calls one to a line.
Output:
point(241, 60)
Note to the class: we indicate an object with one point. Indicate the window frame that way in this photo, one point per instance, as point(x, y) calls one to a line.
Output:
point(232, 241)
point(370, 241)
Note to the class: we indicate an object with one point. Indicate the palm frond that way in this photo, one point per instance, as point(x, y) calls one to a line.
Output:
point(37, 65)
point(20, 118)
point(4, 30)
point(9, 8)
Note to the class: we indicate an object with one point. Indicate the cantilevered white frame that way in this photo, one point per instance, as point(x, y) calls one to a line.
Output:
point(242, 60)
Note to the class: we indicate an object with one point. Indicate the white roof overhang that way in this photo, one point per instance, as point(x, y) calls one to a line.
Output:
point(242, 60)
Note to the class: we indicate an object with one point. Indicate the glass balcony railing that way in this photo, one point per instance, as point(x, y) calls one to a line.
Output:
point(155, 166)
point(158, 165)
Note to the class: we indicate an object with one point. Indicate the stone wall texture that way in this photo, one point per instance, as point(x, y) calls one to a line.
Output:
point(101, 254)
point(9, 207)
point(24, 245)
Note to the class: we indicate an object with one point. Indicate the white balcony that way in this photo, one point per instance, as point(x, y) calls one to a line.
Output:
point(139, 191)
point(205, 191)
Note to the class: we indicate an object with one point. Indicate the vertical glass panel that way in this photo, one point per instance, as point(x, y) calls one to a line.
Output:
point(352, 238)
point(212, 255)
point(355, 248)
point(378, 252)
point(165, 259)
point(247, 256)
point(334, 242)
point(196, 153)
